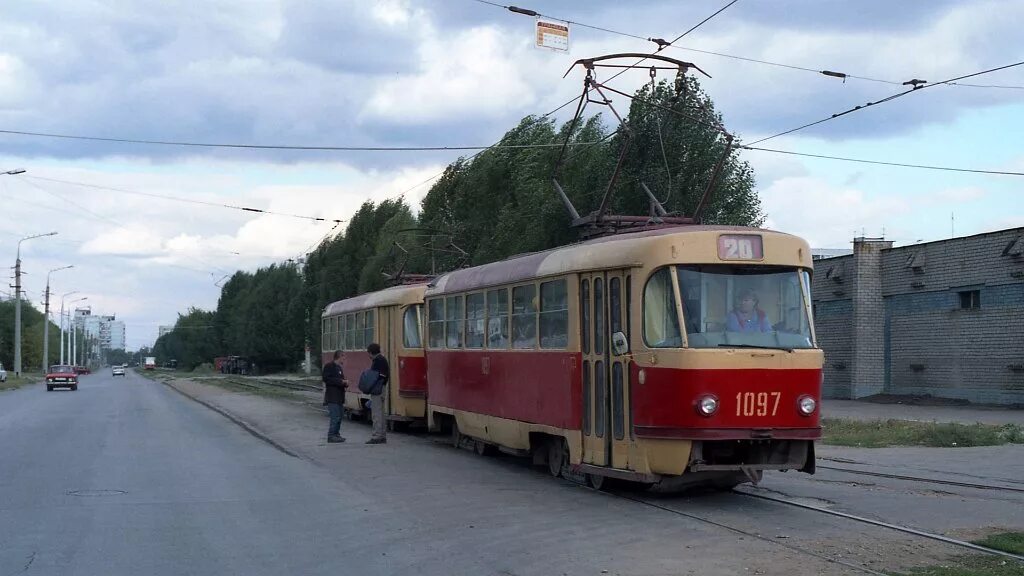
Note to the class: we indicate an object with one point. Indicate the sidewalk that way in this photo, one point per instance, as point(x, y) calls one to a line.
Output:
point(858, 410)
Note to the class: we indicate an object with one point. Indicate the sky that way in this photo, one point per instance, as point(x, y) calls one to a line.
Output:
point(457, 73)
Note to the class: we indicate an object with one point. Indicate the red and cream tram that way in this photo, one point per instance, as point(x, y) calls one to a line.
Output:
point(666, 356)
point(390, 317)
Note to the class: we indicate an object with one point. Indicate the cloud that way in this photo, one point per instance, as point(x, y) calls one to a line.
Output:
point(134, 240)
point(828, 216)
point(960, 195)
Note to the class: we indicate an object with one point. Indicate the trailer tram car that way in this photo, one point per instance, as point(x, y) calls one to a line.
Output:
point(669, 356)
point(392, 318)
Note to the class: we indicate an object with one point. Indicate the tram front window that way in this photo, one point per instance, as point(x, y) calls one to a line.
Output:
point(757, 306)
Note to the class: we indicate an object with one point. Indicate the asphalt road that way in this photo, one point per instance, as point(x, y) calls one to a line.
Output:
point(125, 476)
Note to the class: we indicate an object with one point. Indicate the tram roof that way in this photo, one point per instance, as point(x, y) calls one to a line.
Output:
point(393, 296)
point(606, 252)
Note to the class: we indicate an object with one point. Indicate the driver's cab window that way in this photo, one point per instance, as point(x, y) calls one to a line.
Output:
point(727, 305)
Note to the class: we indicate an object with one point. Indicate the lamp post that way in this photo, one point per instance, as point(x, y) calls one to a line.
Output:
point(17, 295)
point(46, 319)
point(62, 347)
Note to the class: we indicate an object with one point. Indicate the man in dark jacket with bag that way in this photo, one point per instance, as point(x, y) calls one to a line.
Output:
point(380, 366)
point(334, 396)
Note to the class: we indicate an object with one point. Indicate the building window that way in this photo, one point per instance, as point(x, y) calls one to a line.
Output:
point(435, 323)
point(475, 320)
point(970, 299)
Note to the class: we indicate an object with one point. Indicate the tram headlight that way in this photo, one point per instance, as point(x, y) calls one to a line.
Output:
point(707, 405)
point(806, 405)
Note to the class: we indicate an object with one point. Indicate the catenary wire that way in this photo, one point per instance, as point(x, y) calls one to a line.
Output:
point(821, 72)
point(185, 200)
point(915, 88)
point(883, 163)
point(265, 146)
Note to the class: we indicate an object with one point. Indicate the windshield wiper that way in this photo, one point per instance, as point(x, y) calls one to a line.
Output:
point(753, 346)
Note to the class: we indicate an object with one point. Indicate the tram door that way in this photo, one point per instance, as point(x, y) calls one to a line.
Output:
point(603, 309)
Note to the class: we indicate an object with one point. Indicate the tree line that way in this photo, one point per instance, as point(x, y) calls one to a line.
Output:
point(31, 337)
point(493, 205)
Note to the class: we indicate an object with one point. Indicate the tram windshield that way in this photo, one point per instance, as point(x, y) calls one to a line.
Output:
point(729, 306)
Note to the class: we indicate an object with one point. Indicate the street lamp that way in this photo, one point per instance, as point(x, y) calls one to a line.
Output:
point(62, 347)
point(46, 318)
point(17, 295)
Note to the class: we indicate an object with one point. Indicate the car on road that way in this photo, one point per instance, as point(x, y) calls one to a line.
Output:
point(61, 376)
point(82, 370)
point(3, 373)
point(117, 370)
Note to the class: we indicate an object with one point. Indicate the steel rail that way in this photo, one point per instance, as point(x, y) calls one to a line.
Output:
point(920, 479)
point(736, 530)
point(889, 525)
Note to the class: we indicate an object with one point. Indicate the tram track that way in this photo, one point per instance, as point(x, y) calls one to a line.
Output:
point(742, 532)
point(882, 524)
point(908, 478)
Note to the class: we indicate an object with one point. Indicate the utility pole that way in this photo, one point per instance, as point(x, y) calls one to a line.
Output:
point(46, 320)
point(17, 295)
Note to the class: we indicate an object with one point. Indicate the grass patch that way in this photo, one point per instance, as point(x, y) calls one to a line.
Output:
point(249, 386)
point(27, 378)
point(979, 565)
point(882, 433)
point(1012, 542)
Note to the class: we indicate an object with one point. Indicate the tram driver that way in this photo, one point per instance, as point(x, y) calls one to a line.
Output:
point(747, 316)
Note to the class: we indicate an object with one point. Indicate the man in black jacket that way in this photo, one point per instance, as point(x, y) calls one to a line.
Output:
point(334, 396)
point(380, 365)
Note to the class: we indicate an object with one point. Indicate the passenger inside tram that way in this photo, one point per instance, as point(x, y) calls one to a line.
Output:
point(728, 305)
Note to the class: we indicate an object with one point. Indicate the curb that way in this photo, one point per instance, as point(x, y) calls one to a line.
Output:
point(241, 423)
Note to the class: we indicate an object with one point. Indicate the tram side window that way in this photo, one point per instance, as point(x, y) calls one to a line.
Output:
point(497, 318)
point(554, 314)
point(350, 335)
point(524, 316)
point(435, 323)
point(325, 343)
point(339, 336)
point(360, 332)
point(475, 320)
point(454, 321)
point(411, 335)
point(333, 335)
point(661, 325)
point(368, 338)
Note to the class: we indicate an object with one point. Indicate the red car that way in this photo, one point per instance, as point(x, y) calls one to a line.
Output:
point(82, 370)
point(61, 376)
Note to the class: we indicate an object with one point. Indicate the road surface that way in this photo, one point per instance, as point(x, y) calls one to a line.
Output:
point(127, 476)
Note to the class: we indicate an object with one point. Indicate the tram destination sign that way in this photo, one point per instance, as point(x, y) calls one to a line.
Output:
point(740, 247)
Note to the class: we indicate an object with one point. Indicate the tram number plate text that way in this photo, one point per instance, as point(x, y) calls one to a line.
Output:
point(740, 247)
point(757, 403)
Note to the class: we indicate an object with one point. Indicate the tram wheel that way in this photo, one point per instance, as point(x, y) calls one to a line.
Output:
point(597, 482)
point(556, 456)
point(484, 449)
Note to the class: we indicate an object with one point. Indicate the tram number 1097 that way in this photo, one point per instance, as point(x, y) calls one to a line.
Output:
point(757, 403)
